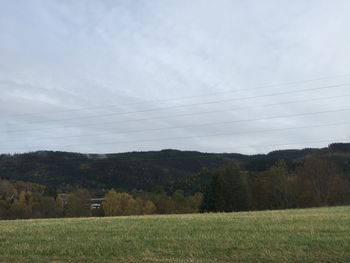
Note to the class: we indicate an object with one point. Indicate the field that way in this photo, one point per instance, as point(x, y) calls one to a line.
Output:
point(305, 235)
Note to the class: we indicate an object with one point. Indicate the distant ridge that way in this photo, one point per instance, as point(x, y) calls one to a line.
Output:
point(169, 169)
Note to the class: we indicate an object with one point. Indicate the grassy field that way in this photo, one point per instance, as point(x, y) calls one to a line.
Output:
point(308, 235)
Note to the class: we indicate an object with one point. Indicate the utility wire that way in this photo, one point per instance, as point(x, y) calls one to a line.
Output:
point(190, 105)
point(163, 139)
point(187, 97)
point(206, 124)
point(203, 136)
point(186, 114)
point(194, 125)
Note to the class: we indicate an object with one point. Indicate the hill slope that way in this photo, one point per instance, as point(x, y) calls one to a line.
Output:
point(170, 169)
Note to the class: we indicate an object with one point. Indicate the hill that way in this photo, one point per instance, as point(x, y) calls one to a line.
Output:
point(169, 169)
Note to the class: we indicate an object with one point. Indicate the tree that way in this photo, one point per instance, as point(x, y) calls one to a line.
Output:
point(43, 206)
point(228, 191)
point(179, 202)
point(59, 203)
point(149, 208)
point(162, 201)
point(321, 182)
point(78, 204)
point(110, 203)
point(186, 204)
point(119, 204)
point(271, 188)
point(7, 190)
point(194, 202)
point(22, 208)
point(4, 209)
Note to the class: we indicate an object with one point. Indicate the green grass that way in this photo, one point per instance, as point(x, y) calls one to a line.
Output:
point(306, 235)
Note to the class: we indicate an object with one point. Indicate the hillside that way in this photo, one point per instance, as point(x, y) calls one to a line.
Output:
point(170, 169)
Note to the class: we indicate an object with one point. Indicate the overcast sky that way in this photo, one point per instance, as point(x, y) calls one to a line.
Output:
point(217, 76)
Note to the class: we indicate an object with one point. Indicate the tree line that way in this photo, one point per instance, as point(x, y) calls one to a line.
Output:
point(20, 200)
point(315, 182)
point(318, 182)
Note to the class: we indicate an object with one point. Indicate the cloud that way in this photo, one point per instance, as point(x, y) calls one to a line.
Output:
point(60, 56)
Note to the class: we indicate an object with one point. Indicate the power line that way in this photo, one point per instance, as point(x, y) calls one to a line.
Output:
point(193, 104)
point(281, 129)
point(199, 113)
point(189, 97)
point(199, 125)
point(204, 136)
point(189, 114)
point(177, 138)
point(189, 105)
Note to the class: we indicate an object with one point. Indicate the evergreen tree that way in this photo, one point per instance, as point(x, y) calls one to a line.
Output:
point(228, 191)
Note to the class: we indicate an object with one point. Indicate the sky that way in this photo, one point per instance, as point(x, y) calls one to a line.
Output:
point(215, 76)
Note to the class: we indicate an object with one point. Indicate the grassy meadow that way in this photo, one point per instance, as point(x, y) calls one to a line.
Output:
point(305, 235)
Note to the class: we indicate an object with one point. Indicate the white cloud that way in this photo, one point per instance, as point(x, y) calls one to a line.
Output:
point(59, 55)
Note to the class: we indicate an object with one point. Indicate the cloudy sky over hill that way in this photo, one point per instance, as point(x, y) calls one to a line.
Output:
point(114, 76)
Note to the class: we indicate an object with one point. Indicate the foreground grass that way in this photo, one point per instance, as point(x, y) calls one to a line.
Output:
point(308, 235)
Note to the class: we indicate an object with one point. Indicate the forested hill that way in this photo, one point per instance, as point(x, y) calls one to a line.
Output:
point(170, 169)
